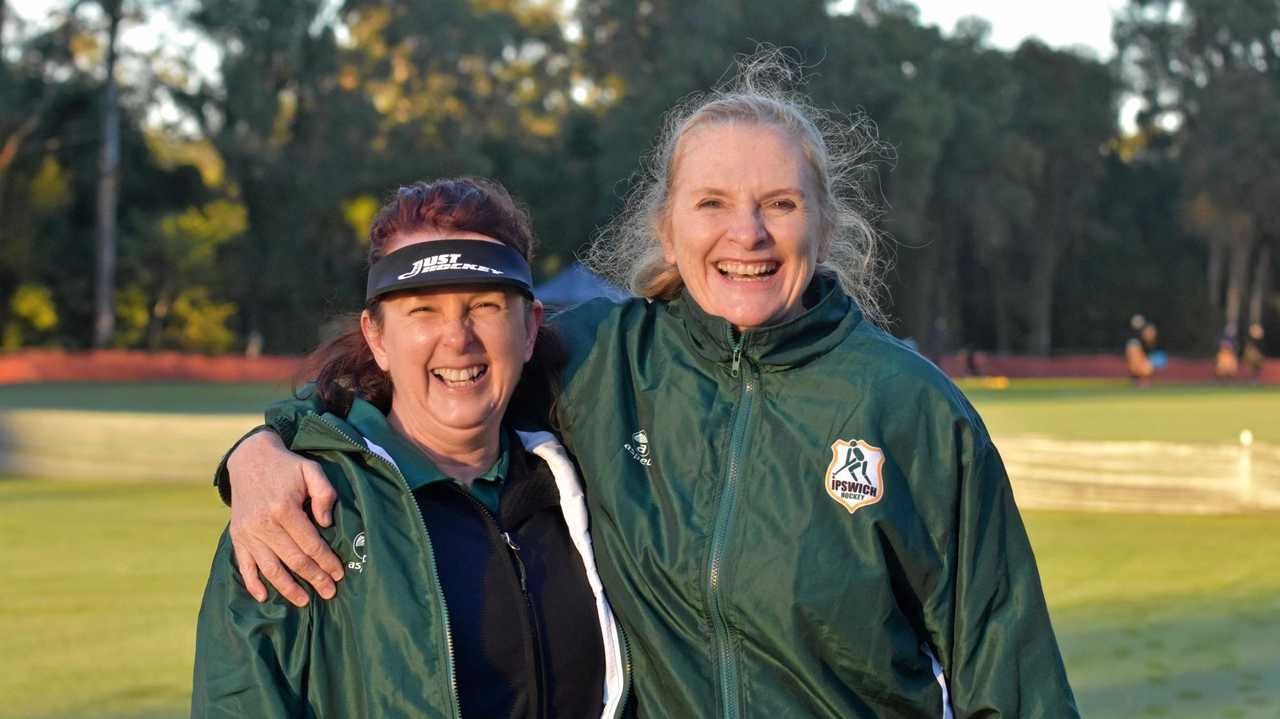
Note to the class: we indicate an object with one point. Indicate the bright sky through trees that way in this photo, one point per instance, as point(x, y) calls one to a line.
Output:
point(1058, 24)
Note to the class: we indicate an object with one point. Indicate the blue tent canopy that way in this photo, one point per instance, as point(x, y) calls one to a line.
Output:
point(574, 286)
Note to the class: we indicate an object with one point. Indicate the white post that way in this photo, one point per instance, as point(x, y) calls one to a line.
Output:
point(1244, 467)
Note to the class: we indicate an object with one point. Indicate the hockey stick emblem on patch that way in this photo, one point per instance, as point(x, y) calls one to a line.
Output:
point(855, 477)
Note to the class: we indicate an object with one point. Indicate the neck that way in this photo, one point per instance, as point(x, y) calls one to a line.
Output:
point(461, 454)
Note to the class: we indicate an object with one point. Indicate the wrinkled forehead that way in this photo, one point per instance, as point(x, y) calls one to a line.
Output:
point(728, 151)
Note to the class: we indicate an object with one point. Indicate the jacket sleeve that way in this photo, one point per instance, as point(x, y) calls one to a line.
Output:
point(282, 418)
point(1002, 659)
point(251, 658)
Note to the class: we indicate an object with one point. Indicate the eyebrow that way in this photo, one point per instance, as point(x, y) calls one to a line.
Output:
point(709, 189)
point(769, 194)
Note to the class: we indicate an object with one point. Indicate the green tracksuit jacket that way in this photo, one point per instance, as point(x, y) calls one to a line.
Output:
point(760, 566)
point(382, 646)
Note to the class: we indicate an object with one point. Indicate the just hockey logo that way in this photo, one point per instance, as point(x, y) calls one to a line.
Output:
point(639, 451)
point(855, 477)
point(447, 261)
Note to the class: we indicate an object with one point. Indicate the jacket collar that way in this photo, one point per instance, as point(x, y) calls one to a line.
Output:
point(831, 316)
point(365, 424)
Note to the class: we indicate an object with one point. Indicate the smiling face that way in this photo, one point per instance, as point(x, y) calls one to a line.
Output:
point(455, 354)
point(742, 222)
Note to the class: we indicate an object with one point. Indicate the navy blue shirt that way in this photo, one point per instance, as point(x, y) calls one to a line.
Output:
point(526, 636)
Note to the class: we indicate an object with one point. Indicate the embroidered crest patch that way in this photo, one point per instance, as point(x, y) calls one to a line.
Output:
point(855, 477)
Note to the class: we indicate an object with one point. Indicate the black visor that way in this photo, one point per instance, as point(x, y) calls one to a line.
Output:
point(439, 263)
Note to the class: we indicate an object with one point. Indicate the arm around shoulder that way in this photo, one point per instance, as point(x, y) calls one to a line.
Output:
point(281, 423)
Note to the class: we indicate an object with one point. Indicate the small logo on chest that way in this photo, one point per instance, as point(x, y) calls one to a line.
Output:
point(362, 553)
point(855, 477)
point(638, 448)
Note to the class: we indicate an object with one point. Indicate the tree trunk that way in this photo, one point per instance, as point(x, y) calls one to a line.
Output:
point(1237, 280)
point(924, 300)
point(1261, 275)
point(1217, 259)
point(108, 190)
point(1040, 313)
point(1002, 300)
point(949, 335)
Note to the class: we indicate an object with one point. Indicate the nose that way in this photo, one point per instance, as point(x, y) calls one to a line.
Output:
point(458, 333)
point(747, 228)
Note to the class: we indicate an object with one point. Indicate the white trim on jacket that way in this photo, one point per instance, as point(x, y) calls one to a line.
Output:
point(573, 505)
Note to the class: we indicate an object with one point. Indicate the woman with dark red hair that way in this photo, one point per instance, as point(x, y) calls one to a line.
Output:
point(471, 586)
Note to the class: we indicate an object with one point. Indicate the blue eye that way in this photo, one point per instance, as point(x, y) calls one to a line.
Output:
point(710, 203)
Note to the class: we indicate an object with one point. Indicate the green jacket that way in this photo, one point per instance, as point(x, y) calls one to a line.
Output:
point(760, 566)
point(752, 582)
point(382, 646)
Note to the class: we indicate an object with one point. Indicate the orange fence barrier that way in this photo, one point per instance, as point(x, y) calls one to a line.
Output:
point(131, 366)
point(1177, 370)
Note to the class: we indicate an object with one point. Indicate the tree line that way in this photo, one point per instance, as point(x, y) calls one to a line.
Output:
point(151, 199)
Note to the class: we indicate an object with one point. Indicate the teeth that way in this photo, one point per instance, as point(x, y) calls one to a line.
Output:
point(459, 375)
point(746, 269)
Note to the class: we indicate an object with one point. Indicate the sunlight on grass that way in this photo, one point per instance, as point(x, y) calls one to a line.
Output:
point(1114, 410)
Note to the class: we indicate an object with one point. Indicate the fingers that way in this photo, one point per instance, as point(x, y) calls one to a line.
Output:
point(249, 572)
point(321, 492)
point(301, 548)
point(273, 571)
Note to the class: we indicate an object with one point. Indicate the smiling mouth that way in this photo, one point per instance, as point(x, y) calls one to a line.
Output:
point(747, 271)
point(461, 376)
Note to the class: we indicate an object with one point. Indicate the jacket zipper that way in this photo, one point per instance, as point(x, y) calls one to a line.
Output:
point(728, 498)
point(626, 669)
point(514, 550)
point(431, 555)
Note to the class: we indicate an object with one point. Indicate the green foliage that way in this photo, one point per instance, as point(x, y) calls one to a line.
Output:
point(133, 314)
point(200, 324)
point(1022, 221)
point(32, 317)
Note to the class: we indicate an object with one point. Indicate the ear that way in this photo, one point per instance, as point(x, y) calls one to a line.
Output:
point(668, 244)
point(373, 337)
point(533, 320)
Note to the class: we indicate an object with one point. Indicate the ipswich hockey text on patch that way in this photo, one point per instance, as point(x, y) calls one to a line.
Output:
point(855, 477)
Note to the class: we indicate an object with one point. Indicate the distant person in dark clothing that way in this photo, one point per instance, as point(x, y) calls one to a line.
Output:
point(1253, 357)
point(1139, 352)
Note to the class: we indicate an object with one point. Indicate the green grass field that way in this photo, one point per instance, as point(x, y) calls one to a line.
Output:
point(1158, 616)
point(1114, 410)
